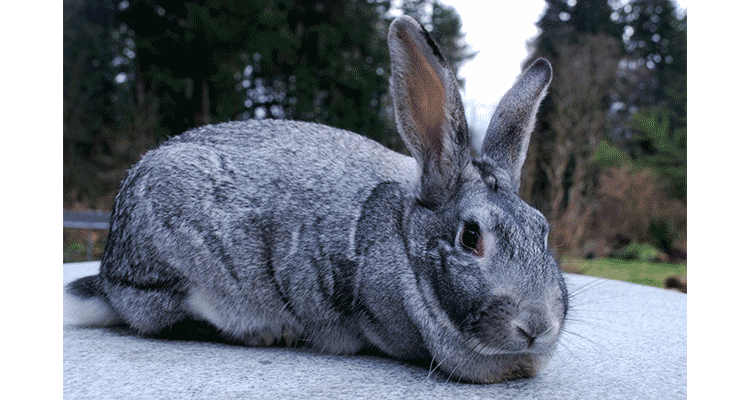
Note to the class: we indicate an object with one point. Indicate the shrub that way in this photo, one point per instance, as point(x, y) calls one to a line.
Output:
point(607, 155)
point(632, 207)
point(663, 234)
point(640, 252)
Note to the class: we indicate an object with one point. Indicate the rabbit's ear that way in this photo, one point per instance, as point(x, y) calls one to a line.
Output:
point(428, 108)
point(509, 131)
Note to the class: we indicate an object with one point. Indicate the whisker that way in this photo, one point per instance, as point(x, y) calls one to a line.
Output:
point(586, 287)
point(475, 353)
point(430, 369)
point(608, 297)
point(589, 320)
point(438, 365)
point(562, 342)
point(596, 325)
point(602, 348)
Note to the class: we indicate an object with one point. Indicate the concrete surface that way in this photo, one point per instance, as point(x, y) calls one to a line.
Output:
point(622, 341)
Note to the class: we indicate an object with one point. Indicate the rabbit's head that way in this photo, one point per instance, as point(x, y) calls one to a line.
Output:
point(488, 295)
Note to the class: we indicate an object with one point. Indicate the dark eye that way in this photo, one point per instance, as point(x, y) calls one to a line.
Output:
point(471, 239)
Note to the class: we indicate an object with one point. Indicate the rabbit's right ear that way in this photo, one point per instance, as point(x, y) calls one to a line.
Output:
point(508, 134)
point(428, 108)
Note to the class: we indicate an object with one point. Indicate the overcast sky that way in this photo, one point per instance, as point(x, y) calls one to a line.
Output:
point(500, 36)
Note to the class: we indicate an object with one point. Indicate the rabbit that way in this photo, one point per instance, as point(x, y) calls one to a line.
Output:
point(282, 232)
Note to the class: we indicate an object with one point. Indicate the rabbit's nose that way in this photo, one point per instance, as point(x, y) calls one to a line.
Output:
point(504, 324)
point(532, 331)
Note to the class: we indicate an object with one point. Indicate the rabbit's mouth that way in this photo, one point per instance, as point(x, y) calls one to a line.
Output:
point(500, 340)
point(496, 368)
point(504, 327)
point(487, 349)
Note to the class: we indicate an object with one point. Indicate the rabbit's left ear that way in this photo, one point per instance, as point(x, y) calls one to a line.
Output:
point(508, 134)
point(428, 108)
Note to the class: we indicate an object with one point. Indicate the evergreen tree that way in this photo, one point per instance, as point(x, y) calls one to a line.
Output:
point(321, 61)
point(594, 16)
point(566, 27)
point(656, 42)
point(165, 66)
point(619, 81)
point(93, 101)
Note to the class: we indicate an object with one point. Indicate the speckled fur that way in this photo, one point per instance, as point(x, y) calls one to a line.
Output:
point(292, 232)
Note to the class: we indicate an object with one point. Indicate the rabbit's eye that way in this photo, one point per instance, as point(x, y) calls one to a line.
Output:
point(471, 239)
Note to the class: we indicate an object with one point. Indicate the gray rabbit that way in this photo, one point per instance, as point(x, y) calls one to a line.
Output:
point(282, 232)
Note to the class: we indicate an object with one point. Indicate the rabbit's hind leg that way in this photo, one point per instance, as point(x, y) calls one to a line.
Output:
point(260, 323)
point(149, 307)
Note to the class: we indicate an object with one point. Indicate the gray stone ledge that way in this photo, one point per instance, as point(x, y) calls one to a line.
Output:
point(622, 341)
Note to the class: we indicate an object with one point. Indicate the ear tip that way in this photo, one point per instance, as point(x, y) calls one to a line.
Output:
point(402, 24)
point(404, 21)
point(542, 67)
point(406, 31)
point(541, 61)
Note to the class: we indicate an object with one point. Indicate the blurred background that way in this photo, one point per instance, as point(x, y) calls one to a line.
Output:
point(607, 163)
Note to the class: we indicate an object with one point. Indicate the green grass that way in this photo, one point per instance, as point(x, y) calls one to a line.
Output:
point(642, 272)
point(76, 244)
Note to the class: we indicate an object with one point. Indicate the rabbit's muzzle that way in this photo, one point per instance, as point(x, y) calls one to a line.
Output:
point(503, 326)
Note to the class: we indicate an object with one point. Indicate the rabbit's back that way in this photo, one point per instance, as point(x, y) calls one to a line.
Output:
point(291, 173)
point(249, 225)
point(319, 158)
point(287, 170)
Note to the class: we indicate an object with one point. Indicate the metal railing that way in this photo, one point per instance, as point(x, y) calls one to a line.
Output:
point(89, 220)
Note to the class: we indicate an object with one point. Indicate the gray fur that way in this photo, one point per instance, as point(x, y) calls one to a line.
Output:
point(281, 231)
point(513, 121)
